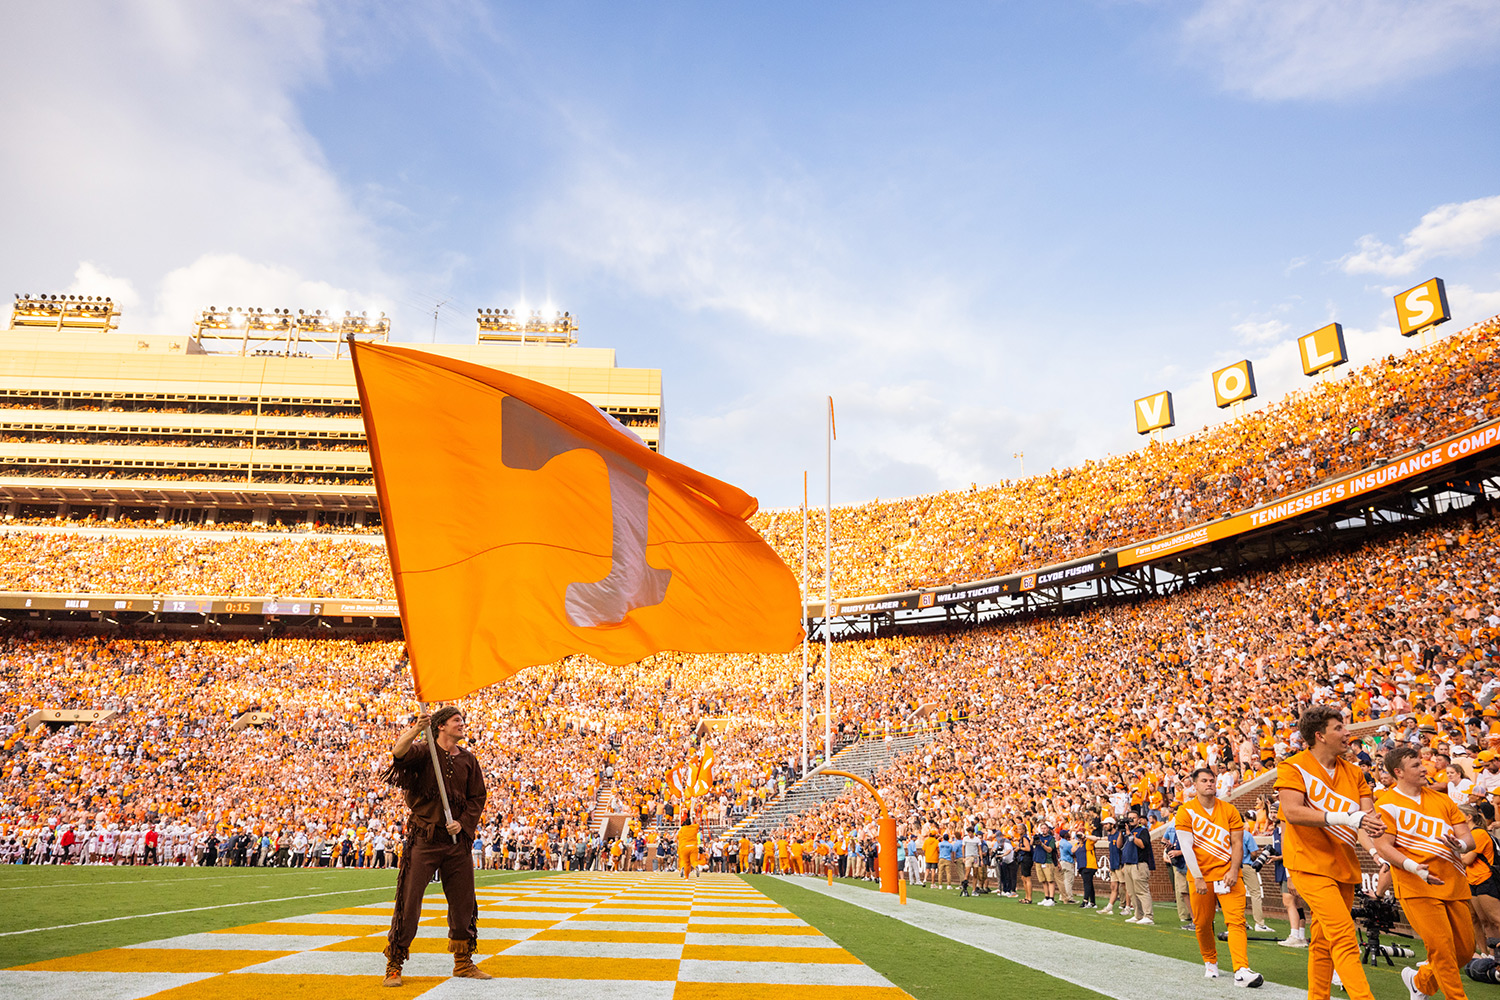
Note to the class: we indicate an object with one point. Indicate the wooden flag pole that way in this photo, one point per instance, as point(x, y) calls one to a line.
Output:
point(437, 767)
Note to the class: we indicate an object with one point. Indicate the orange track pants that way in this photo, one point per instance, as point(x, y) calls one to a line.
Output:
point(1233, 905)
point(1448, 935)
point(1333, 943)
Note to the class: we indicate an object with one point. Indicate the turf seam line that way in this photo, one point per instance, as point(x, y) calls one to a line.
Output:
point(191, 909)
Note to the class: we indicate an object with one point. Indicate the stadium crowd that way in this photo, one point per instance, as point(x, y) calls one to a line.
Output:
point(1336, 426)
point(1067, 720)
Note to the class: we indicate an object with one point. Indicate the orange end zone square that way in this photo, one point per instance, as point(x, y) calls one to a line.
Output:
point(260, 985)
point(562, 933)
point(755, 953)
point(560, 967)
point(496, 922)
point(155, 960)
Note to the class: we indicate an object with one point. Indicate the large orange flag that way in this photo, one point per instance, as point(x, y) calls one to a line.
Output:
point(523, 525)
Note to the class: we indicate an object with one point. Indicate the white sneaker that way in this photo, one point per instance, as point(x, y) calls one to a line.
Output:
point(1244, 977)
point(1262, 928)
point(1210, 970)
point(1409, 977)
point(1107, 910)
point(1145, 920)
point(1048, 902)
point(1130, 919)
point(1293, 942)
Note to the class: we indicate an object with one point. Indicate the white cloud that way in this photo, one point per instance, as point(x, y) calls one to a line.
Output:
point(225, 280)
point(90, 279)
point(1469, 304)
point(164, 133)
point(1260, 331)
point(769, 257)
point(1450, 230)
point(1319, 49)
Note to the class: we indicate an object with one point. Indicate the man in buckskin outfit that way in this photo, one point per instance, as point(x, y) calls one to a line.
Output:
point(433, 844)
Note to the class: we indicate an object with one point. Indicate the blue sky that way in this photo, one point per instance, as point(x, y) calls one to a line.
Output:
point(983, 228)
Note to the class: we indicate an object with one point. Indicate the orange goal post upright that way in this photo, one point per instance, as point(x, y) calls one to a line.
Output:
point(887, 839)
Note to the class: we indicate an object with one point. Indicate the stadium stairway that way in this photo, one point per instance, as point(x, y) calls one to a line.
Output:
point(599, 817)
point(865, 758)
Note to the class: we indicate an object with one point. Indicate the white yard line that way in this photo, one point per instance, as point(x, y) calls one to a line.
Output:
point(191, 909)
point(1108, 969)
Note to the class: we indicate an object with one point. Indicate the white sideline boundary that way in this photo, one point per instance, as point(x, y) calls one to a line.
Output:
point(190, 909)
point(1107, 969)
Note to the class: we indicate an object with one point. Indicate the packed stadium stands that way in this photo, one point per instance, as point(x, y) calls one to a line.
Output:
point(1335, 426)
point(1410, 623)
point(1062, 716)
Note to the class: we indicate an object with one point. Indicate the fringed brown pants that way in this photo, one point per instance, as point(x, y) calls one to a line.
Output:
point(455, 867)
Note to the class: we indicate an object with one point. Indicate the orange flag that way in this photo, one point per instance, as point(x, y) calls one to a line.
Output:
point(523, 525)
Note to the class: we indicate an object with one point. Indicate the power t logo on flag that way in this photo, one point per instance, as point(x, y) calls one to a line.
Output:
point(529, 440)
point(523, 525)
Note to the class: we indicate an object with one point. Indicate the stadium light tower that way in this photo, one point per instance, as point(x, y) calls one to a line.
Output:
point(63, 312)
point(1020, 455)
point(523, 326)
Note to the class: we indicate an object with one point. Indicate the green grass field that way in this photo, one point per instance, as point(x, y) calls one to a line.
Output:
point(1287, 966)
point(54, 912)
point(49, 912)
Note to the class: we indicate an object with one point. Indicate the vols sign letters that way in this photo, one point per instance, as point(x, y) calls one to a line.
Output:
point(1154, 412)
point(1422, 307)
point(1233, 384)
point(1322, 349)
point(524, 525)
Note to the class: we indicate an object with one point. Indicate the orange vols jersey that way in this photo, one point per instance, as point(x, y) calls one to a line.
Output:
point(1322, 850)
point(1479, 871)
point(1419, 825)
point(1217, 834)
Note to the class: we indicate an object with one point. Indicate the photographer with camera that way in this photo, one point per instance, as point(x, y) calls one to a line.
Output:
point(1424, 838)
point(1255, 859)
point(1290, 901)
point(1210, 834)
point(1325, 803)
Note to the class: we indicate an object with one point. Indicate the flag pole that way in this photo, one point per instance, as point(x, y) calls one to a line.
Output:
point(828, 597)
point(804, 631)
point(437, 768)
point(393, 555)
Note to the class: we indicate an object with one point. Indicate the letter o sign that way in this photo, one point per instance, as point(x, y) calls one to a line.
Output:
point(1233, 384)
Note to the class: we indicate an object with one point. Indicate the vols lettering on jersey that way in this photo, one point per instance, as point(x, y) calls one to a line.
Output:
point(1419, 826)
point(1325, 850)
point(1216, 835)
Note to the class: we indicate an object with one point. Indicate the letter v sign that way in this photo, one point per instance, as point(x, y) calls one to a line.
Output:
point(1153, 412)
point(529, 440)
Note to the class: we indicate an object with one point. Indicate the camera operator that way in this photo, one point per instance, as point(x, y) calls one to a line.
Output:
point(1290, 901)
point(1255, 859)
point(1171, 853)
point(1424, 838)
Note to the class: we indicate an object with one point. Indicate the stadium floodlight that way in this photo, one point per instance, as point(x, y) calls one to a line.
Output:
point(519, 325)
point(63, 312)
point(281, 331)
